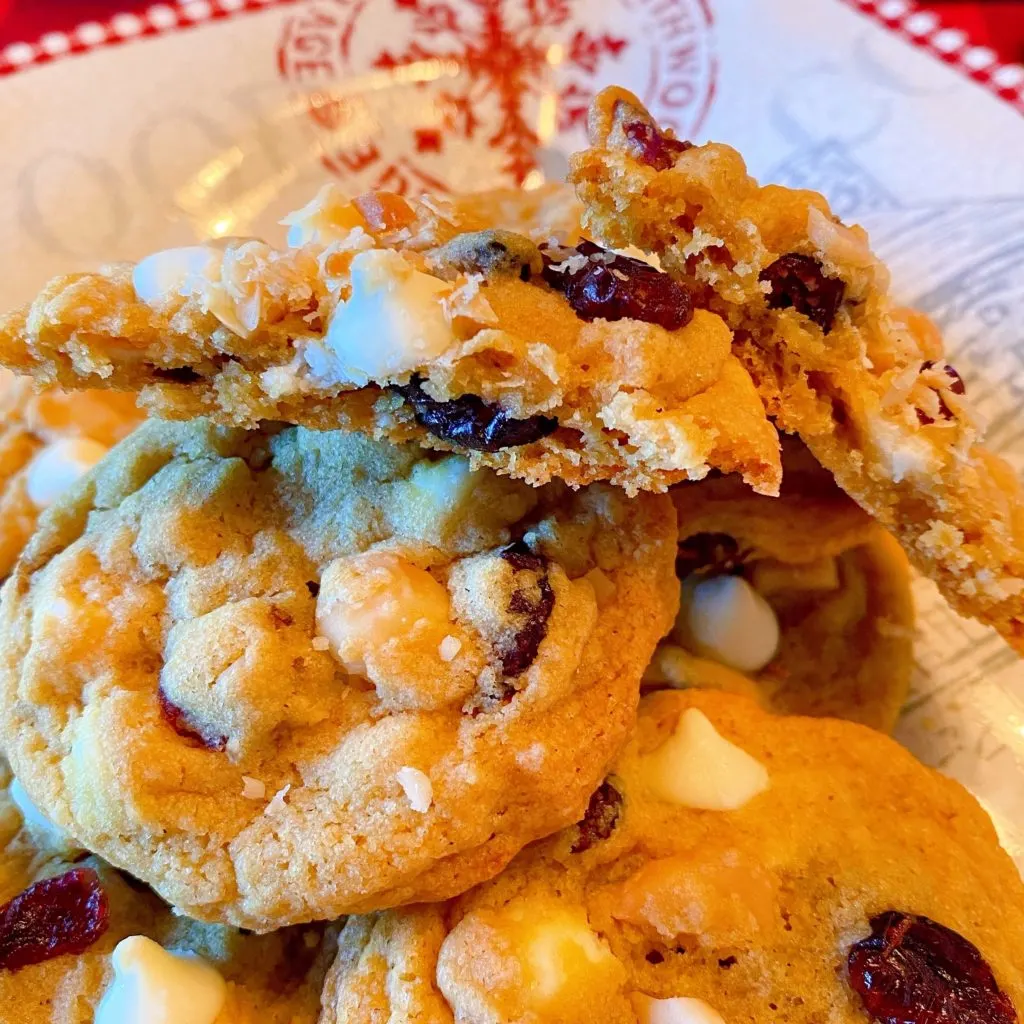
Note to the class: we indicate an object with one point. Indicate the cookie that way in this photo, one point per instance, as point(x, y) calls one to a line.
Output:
point(283, 675)
point(443, 323)
point(551, 211)
point(801, 601)
point(735, 866)
point(48, 439)
point(80, 943)
point(835, 360)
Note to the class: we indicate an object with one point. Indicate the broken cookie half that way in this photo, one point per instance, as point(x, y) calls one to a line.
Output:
point(862, 381)
point(422, 320)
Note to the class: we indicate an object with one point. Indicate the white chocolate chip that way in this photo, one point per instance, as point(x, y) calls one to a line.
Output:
point(44, 831)
point(417, 788)
point(253, 789)
point(449, 648)
point(58, 466)
point(367, 599)
point(678, 1010)
point(697, 767)
point(724, 618)
point(166, 273)
point(156, 986)
point(392, 322)
point(563, 950)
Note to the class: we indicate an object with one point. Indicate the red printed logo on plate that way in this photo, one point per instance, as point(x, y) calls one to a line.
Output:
point(415, 94)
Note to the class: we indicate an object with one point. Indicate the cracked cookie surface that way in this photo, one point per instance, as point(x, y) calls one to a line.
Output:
point(282, 675)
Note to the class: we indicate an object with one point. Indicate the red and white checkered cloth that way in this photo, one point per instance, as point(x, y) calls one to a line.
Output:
point(984, 39)
point(998, 26)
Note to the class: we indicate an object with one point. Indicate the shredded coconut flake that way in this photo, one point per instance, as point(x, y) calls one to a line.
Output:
point(253, 789)
point(573, 265)
point(701, 240)
point(449, 648)
point(417, 788)
point(467, 302)
point(278, 803)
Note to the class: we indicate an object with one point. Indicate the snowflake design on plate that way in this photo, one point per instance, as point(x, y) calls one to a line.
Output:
point(415, 94)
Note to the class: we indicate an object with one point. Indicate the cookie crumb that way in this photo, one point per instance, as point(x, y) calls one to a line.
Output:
point(417, 788)
point(253, 789)
point(449, 648)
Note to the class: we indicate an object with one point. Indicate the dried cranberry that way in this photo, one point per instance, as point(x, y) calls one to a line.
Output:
point(471, 423)
point(799, 282)
point(66, 914)
point(615, 287)
point(601, 818)
point(180, 722)
point(911, 970)
point(532, 598)
point(716, 553)
point(653, 147)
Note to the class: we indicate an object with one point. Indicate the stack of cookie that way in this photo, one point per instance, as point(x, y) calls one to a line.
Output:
point(322, 690)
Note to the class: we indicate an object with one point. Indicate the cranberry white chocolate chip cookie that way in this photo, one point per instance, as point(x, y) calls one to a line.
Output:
point(863, 382)
point(47, 440)
point(801, 601)
point(734, 866)
point(453, 324)
point(82, 944)
point(282, 675)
